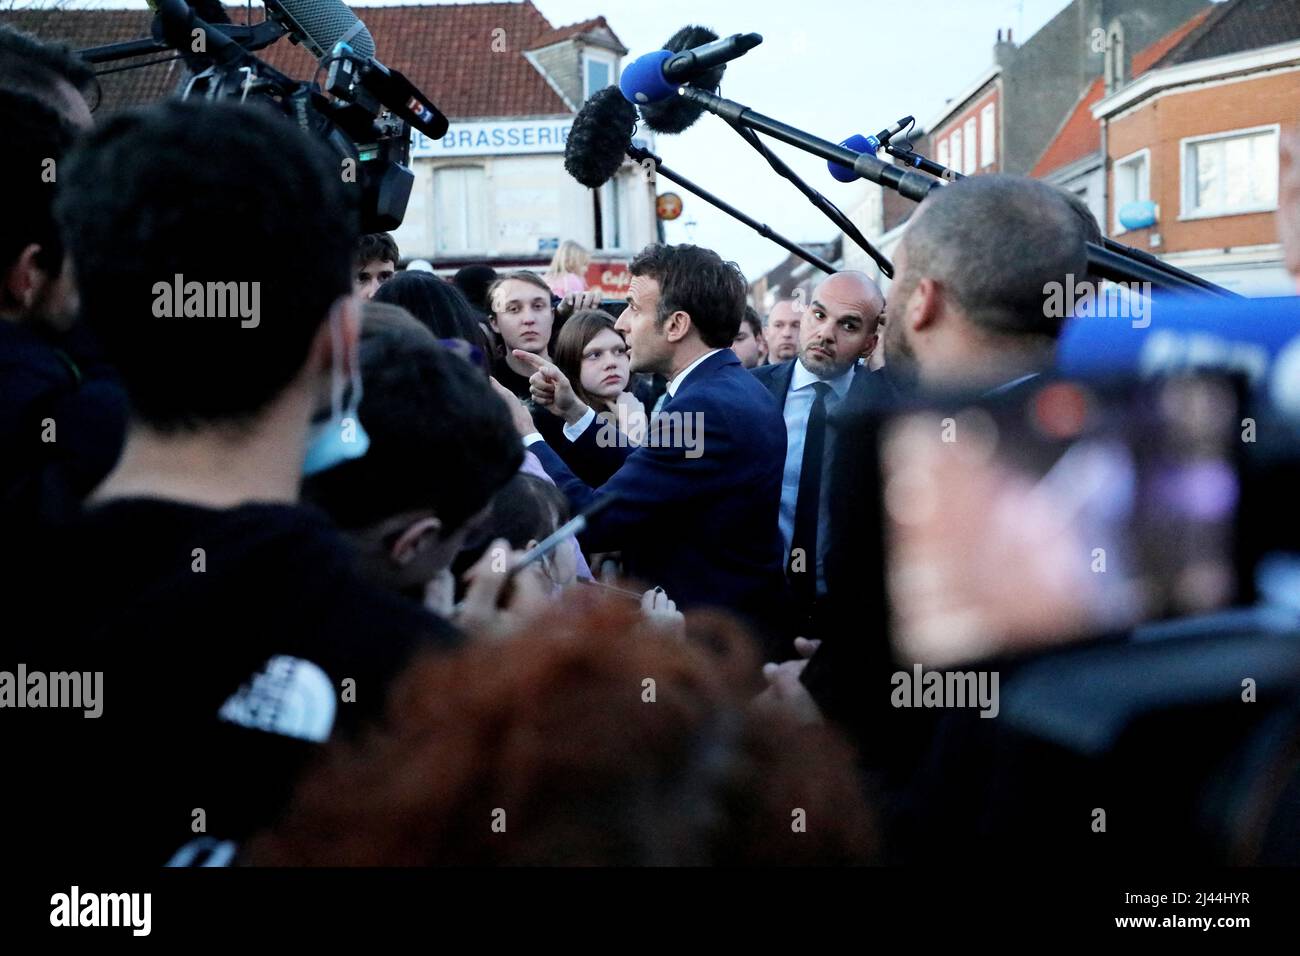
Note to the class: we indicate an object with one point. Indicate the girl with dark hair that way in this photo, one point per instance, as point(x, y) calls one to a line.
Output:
point(440, 307)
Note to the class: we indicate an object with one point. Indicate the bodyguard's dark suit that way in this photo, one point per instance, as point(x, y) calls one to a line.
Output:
point(867, 390)
point(776, 378)
point(702, 528)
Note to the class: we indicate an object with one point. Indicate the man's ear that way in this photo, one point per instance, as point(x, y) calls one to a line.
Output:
point(870, 346)
point(421, 534)
point(925, 305)
point(677, 326)
point(24, 281)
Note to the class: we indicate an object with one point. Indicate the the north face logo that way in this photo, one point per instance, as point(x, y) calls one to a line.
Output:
point(291, 696)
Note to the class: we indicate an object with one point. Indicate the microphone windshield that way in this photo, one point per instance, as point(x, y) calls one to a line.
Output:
point(859, 144)
point(320, 24)
point(675, 114)
point(601, 134)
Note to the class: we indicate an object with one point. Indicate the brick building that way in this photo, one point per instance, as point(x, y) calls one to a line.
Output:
point(1073, 159)
point(1007, 117)
point(1192, 146)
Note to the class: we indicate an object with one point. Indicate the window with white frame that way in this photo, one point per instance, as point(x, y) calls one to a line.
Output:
point(988, 136)
point(956, 151)
point(1132, 182)
point(458, 202)
point(969, 146)
point(1230, 173)
point(941, 154)
point(598, 73)
point(612, 230)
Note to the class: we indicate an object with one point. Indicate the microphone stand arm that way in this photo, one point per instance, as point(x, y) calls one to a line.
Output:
point(640, 155)
point(827, 208)
point(1110, 260)
point(1101, 256)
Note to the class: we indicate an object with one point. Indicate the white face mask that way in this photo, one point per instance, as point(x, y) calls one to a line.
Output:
point(340, 437)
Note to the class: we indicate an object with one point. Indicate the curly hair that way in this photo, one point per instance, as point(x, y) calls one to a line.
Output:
point(590, 739)
point(376, 247)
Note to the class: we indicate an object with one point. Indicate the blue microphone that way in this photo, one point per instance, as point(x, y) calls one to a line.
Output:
point(1259, 338)
point(859, 144)
point(866, 144)
point(643, 79)
point(658, 75)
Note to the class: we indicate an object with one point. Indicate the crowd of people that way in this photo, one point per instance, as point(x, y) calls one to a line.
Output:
point(312, 555)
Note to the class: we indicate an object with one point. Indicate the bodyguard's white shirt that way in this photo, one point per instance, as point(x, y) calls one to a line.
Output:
point(798, 406)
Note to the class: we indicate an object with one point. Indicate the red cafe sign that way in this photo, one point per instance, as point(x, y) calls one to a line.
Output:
point(611, 278)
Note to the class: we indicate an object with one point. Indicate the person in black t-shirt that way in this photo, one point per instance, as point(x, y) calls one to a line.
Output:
point(230, 628)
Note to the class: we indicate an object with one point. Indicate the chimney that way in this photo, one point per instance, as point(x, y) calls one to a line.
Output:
point(1004, 50)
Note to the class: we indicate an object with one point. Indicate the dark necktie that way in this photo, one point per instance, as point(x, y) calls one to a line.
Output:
point(803, 572)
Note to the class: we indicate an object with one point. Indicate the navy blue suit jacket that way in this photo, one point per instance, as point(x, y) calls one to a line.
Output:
point(703, 527)
point(776, 378)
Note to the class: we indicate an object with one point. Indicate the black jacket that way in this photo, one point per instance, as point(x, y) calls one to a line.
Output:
point(62, 421)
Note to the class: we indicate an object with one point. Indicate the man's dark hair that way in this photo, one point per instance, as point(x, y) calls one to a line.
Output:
point(37, 137)
point(440, 439)
point(474, 282)
point(437, 304)
point(754, 322)
point(220, 194)
point(32, 65)
point(994, 243)
point(1087, 221)
point(377, 247)
point(696, 281)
